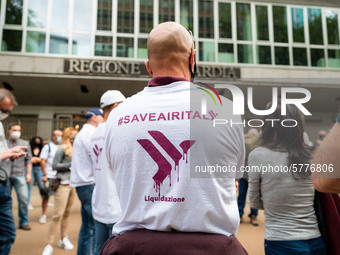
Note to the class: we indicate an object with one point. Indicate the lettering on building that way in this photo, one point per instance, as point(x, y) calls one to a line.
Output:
point(136, 69)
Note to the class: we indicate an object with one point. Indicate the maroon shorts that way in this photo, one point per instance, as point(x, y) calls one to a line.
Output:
point(143, 241)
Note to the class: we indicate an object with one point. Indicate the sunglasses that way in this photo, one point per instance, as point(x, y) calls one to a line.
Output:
point(5, 111)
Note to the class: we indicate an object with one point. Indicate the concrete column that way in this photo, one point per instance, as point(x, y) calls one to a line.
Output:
point(45, 123)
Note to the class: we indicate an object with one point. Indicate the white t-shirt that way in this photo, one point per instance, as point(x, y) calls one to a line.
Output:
point(47, 153)
point(154, 142)
point(81, 173)
point(105, 201)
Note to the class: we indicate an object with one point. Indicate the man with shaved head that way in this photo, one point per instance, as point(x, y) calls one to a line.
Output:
point(154, 141)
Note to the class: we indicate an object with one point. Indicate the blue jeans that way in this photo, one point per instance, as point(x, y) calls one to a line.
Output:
point(314, 246)
point(20, 187)
point(7, 225)
point(241, 200)
point(37, 175)
point(87, 231)
point(103, 232)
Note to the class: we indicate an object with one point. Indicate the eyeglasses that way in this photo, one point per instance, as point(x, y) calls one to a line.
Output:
point(5, 111)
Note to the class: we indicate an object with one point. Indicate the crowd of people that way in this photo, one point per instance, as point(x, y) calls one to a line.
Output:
point(131, 168)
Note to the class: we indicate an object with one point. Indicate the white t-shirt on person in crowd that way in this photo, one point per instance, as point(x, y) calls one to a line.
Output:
point(105, 201)
point(47, 153)
point(81, 168)
point(159, 145)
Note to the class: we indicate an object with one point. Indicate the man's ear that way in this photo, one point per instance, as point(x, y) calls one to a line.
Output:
point(147, 65)
point(192, 60)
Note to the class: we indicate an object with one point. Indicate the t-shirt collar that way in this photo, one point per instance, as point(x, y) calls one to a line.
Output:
point(164, 80)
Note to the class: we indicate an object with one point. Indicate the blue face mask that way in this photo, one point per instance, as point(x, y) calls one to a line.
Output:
point(58, 140)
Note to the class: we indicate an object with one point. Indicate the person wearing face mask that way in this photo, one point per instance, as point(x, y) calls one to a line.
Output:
point(7, 226)
point(19, 178)
point(46, 156)
point(64, 194)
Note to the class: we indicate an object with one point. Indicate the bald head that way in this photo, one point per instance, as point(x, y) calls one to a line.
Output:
point(167, 39)
point(169, 46)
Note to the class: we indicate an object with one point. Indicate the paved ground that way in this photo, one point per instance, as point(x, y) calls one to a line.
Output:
point(33, 242)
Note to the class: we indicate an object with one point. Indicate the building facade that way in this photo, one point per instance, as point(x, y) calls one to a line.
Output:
point(59, 56)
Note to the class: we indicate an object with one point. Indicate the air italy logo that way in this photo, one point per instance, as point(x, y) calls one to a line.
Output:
point(204, 99)
point(97, 152)
point(164, 166)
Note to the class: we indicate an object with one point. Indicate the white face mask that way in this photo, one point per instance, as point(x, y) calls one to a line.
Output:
point(16, 135)
point(3, 115)
point(58, 140)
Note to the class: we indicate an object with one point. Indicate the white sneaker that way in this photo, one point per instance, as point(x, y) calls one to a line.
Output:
point(49, 204)
point(30, 207)
point(42, 219)
point(65, 244)
point(48, 250)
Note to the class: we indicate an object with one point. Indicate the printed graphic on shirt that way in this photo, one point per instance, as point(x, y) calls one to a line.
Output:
point(97, 152)
point(164, 166)
point(166, 116)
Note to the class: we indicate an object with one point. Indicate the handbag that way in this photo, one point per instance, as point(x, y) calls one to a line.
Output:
point(55, 184)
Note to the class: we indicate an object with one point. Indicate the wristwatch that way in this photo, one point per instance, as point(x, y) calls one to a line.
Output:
point(338, 118)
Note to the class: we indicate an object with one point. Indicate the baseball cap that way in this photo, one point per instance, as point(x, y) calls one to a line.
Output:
point(93, 112)
point(111, 97)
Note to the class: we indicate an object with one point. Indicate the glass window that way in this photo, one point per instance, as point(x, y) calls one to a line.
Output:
point(262, 30)
point(142, 49)
point(334, 58)
point(297, 25)
point(59, 43)
point(281, 56)
point(299, 56)
point(82, 17)
point(104, 15)
point(332, 26)
point(11, 40)
point(315, 26)
point(103, 46)
point(35, 42)
point(206, 19)
point(146, 16)
point(81, 45)
point(125, 22)
point(166, 10)
point(245, 53)
point(318, 57)
point(207, 51)
point(186, 14)
point(263, 55)
point(224, 18)
point(125, 47)
point(14, 12)
point(37, 13)
point(243, 22)
point(280, 24)
point(59, 18)
point(226, 53)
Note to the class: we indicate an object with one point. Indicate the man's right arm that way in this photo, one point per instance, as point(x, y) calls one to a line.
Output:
point(43, 169)
point(13, 153)
point(44, 155)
